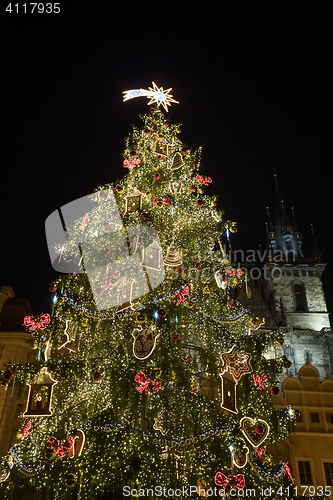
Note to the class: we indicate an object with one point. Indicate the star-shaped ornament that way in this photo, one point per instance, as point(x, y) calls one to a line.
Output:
point(237, 363)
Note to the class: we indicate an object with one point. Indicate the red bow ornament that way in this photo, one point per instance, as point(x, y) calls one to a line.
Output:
point(203, 180)
point(260, 381)
point(181, 296)
point(131, 164)
point(60, 447)
point(144, 382)
point(41, 324)
point(236, 481)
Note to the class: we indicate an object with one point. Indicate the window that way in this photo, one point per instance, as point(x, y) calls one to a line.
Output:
point(303, 273)
point(300, 300)
point(296, 274)
point(328, 467)
point(314, 417)
point(304, 472)
point(329, 418)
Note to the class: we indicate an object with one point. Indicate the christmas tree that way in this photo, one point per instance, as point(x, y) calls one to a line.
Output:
point(150, 379)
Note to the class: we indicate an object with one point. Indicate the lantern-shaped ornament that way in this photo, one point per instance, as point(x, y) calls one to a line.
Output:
point(172, 258)
point(133, 201)
point(151, 256)
point(161, 147)
point(125, 295)
point(228, 392)
point(40, 395)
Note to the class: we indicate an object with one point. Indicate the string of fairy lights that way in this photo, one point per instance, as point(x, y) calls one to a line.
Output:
point(77, 306)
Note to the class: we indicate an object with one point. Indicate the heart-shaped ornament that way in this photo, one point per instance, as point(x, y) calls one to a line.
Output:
point(255, 431)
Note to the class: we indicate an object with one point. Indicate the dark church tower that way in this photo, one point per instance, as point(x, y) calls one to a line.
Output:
point(293, 287)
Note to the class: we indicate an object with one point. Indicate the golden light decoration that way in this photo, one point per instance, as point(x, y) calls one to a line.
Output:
point(155, 94)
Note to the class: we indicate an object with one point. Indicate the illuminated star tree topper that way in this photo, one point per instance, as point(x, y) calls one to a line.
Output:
point(155, 94)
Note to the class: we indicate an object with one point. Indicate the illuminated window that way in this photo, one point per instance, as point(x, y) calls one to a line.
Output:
point(304, 472)
point(299, 417)
point(328, 467)
point(299, 295)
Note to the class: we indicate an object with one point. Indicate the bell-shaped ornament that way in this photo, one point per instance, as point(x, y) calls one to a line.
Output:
point(172, 258)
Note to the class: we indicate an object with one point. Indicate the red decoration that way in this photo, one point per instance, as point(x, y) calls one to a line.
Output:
point(143, 380)
point(233, 304)
point(259, 429)
point(223, 481)
point(193, 188)
point(203, 180)
point(85, 219)
point(53, 288)
point(97, 376)
point(145, 216)
point(261, 452)
point(175, 337)
point(197, 265)
point(181, 296)
point(161, 313)
point(59, 447)
point(107, 251)
point(180, 270)
point(41, 324)
point(156, 176)
point(199, 203)
point(260, 381)
point(133, 154)
point(131, 164)
point(274, 390)
point(287, 471)
point(26, 429)
point(115, 214)
point(127, 245)
point(189, 358)
point(159, 157)
point(8, 375)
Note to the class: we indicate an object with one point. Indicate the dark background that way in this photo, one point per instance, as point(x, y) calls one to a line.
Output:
point(254, 88)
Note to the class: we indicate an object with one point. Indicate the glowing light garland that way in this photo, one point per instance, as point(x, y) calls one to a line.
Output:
point(202, 310)
point(156, 438)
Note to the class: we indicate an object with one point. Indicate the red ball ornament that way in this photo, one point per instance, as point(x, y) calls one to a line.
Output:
point(115, 214)
point(99, 291)
point(274, 390)
point(159, 157)
point(259, 429)
point(156, 176)
point(97, 376)
point(189, 358)
point(197, 265)
point(133, 154)
point(107, 251)
point(233, 304)
point(166, 124)
point(8, 375)
point(199, 203)
point(53, 289)
point(180, 270)
point(183, 151)
point(127, 245)
point(144, 216)
point(193, 188)
point(175, 337)
point(161, 313)
point(106, 225)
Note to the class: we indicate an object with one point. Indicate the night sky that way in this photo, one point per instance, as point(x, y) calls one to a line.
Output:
point(253, 85)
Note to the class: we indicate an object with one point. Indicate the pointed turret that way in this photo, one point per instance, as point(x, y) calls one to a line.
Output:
point(295, 226)
point(316, 253)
